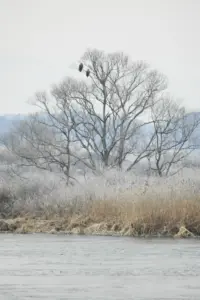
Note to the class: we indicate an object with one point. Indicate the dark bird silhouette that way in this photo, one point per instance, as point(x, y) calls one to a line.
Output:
point(80, 68)
point(88, 73)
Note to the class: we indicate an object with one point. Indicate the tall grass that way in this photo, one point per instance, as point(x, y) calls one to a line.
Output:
point(116, 201)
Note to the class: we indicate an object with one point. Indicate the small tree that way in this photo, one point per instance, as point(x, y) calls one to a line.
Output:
point(172, 142)
point(37, 142)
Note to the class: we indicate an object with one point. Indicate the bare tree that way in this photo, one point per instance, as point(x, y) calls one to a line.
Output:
point(173, 141)
point(42, 141)
point(107, 108)
point(104, 119)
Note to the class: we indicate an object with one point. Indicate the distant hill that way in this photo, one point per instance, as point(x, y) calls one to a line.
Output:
point(6, 122)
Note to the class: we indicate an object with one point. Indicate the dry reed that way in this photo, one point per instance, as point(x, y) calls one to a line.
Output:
point(126, 206)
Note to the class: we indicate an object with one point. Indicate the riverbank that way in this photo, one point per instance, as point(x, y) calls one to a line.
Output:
point(123, 217)
point(87, 226)
point(167, 207)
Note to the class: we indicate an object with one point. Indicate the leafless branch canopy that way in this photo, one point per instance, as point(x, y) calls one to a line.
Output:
point(119, 111)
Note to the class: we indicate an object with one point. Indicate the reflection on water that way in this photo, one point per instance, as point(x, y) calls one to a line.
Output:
point(69, 267)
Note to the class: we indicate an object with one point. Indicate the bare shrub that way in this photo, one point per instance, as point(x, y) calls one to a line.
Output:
point(6, 202)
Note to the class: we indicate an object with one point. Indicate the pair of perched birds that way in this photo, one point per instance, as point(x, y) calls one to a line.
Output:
point(80, 68)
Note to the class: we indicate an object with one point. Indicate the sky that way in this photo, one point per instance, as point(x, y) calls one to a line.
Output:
point(43, 40)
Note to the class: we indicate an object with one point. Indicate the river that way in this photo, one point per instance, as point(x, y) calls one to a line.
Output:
point(55, 267)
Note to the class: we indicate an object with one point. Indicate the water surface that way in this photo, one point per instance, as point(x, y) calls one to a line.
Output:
point(69, 267)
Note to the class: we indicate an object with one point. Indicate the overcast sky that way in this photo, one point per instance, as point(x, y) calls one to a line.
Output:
point(42, 40)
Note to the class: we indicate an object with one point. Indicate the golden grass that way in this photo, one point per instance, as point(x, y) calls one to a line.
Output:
point(144, 217)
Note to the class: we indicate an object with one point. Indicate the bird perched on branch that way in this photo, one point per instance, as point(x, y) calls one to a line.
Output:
point(80, 68)
point(88, 73)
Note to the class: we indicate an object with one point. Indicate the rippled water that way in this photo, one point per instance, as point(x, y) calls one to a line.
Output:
point(69, 267)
